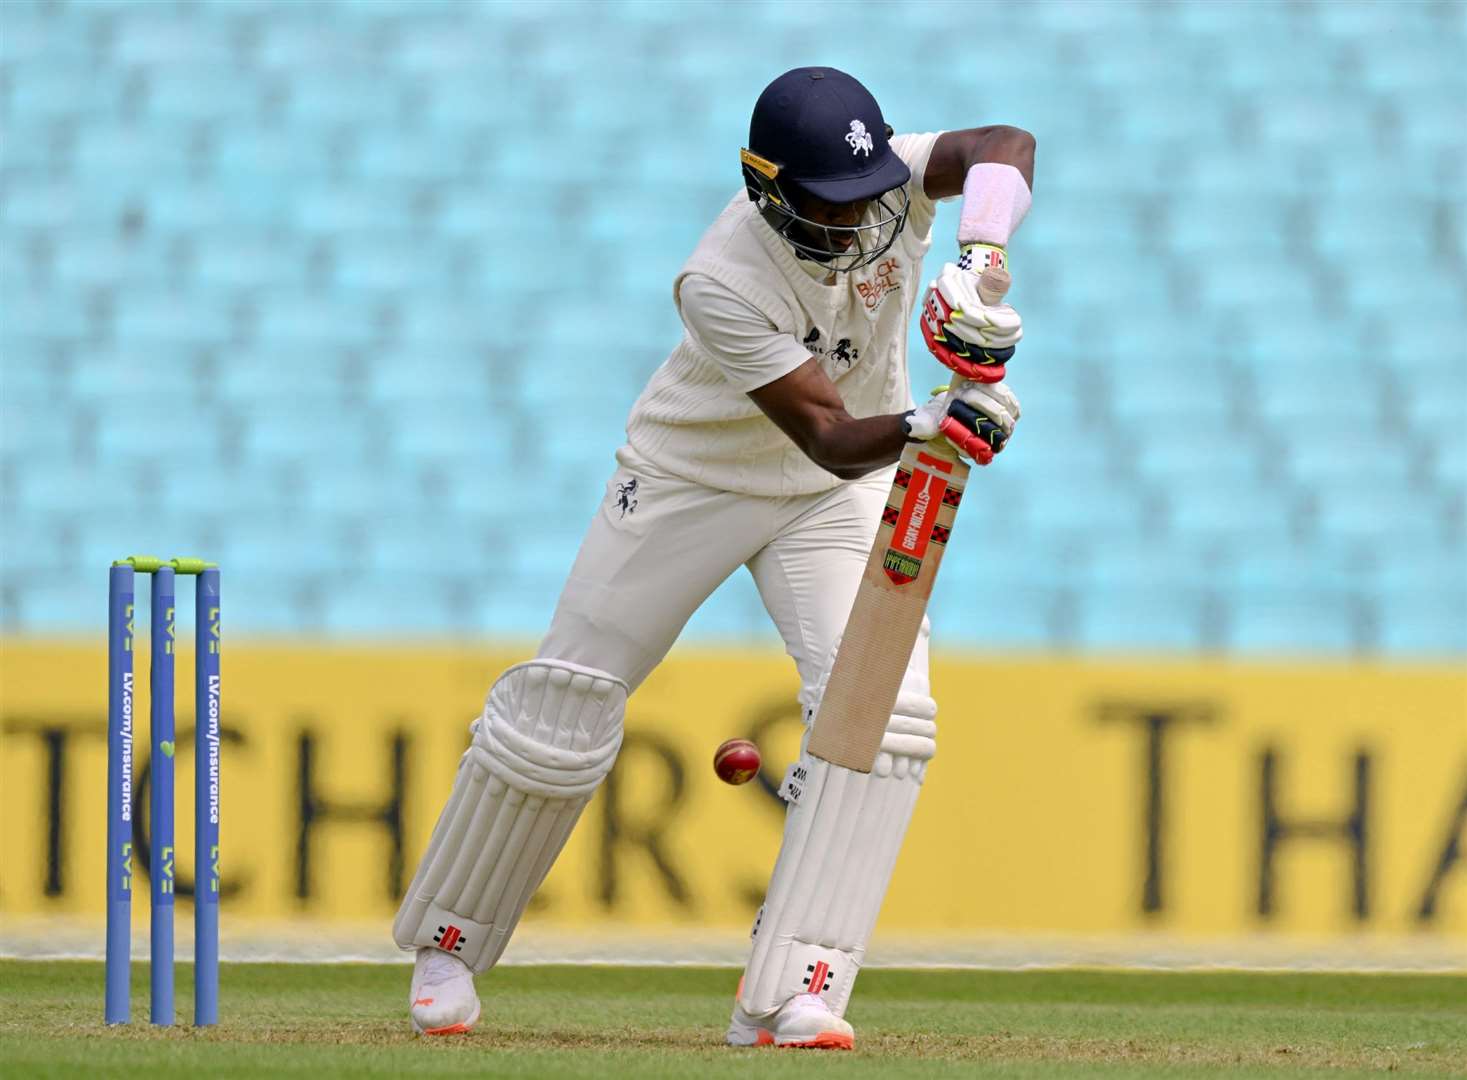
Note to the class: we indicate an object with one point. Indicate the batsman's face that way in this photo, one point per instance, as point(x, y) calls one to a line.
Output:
point(830, 216)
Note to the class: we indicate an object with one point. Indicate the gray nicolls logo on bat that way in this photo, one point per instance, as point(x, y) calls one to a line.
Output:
point(626, 496)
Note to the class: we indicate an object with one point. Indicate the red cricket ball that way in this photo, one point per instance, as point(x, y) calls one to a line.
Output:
point(736, 761)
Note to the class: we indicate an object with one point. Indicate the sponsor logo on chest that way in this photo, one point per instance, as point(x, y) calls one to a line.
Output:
point(885, 279)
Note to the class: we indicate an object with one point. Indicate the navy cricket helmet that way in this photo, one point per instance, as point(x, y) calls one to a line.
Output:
point(818, 132)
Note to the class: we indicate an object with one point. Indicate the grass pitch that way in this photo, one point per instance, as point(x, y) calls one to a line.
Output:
point(350, 1020)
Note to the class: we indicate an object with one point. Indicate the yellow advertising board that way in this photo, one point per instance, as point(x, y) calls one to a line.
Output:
point(1067, 796)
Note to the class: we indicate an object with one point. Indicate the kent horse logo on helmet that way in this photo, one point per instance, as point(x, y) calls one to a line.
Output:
point(793, 160)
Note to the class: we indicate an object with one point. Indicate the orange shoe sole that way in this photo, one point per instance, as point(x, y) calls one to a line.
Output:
point(826, 1040)
point(452, 1029)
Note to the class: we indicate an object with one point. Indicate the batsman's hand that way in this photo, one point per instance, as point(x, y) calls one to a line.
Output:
point(973, 338)
point(977, 418)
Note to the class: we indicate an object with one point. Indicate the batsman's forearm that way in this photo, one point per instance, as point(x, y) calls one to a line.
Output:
point(852, 448)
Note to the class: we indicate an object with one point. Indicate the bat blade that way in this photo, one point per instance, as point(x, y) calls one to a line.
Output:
point(890, 603)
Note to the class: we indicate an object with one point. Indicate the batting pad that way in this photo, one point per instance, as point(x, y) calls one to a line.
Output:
point(548, 736)
point(842, 835)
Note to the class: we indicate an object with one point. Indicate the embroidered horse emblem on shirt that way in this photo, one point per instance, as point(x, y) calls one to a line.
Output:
point(626, 496)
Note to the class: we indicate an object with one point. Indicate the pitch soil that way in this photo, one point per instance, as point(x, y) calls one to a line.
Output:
point(347, 1020)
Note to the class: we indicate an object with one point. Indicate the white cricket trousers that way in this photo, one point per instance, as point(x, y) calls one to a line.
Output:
point(658, 547)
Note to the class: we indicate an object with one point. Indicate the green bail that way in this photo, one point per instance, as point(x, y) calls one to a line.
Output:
point(150, 564)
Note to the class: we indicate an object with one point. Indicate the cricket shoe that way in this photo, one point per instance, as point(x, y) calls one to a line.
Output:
point(803, 1021)
point(443, 1001)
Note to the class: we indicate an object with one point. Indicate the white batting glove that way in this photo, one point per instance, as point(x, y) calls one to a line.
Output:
point(973, 338)
point(977, 418)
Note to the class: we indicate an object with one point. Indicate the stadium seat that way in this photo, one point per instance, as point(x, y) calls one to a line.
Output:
point(1142, 619)
point(1236, 512)
point(1428, 624)
point(1032, 619)
point(1293, 623)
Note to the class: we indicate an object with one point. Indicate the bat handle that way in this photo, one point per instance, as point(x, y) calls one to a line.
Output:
point(993, 283)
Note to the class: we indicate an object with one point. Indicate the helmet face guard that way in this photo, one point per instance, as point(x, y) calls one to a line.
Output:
point(870, 239)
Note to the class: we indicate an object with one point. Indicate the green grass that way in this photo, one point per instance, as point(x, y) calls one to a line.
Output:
point(350, 1020)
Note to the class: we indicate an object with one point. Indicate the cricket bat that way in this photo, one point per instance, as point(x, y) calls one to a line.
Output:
point(895, 587)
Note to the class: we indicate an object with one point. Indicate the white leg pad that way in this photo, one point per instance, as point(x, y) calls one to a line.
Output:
point(549, 734)
point(842, 835)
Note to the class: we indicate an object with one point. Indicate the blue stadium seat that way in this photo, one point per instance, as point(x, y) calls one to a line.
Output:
point(1233, 512)
point(1219, 170)
point(1331, 570)
point(82, 263)
point(518, 609)
point(1438, 404)
point(28, 378)
point(734, 613)
point(54, 87)
point(409, 602)
point(1142, 619)
point(1225, 463)
point(1380, 515)
point(264, 378)
point(1299, 622)
point(1030, 619)
point(1428, 347)
point(30, 431)
point(1418, 566)
point(54, 605)
point(299, 543)
point(1344, 456)
point(397, 375)
point(152, 424)
point(1246, 226)
point(349, 439)
point(147, 34)
point(251, 153)
point(1317, 119)
point(211, 94)
point(440, 431)
point(1431, 623)
point(1265, 289)
point(1155, 563)
point(37, 546)
point(144, 320)
point(1162, 390)
point(38, 318)
point(237, 260)
point(1389, 297)
point(324, 209)
point(1449, 458)
point(33, 33)
point(1434, 123)
point(286, 322)
point(52, 489)
point(1066, 509)
point(1343, 226)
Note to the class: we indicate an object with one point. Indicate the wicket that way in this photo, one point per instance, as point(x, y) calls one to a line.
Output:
point(120, 801)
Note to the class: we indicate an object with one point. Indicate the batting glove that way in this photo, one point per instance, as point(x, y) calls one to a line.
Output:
point(977, 418)
point(973, 338)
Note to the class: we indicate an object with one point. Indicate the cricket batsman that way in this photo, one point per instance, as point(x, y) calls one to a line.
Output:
point(765, 440)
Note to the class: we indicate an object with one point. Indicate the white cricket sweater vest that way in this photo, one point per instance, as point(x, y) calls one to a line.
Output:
point(693, 423)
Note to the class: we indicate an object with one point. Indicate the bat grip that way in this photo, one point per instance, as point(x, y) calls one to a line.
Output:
point(993, 283)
